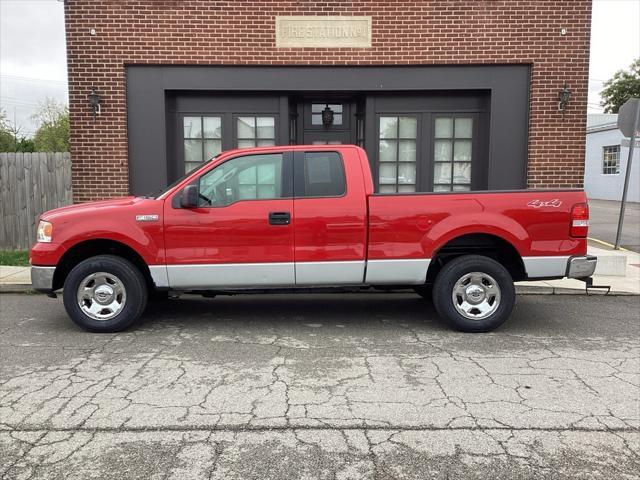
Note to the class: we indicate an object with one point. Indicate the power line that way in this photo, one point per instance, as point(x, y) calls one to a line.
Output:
point(34, 79)
point(18, 102)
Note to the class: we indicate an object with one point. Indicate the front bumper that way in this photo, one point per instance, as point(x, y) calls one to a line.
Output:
point(42, 278)
point(581, 267)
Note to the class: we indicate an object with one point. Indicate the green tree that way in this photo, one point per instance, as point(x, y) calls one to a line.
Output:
point(621, 87)
point(26, 145)
point(53, 133)
point(7, 134)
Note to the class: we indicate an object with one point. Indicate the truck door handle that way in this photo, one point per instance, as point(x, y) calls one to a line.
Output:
point(279, 218)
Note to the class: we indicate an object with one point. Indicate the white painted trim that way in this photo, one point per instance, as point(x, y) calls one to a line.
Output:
point(330, 273)
point(230, 275)
point(543, 267)
point(159, 275)
point(397, 272)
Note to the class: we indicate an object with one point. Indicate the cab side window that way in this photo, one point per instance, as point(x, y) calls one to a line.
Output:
point(323, 175)
point(252, 177)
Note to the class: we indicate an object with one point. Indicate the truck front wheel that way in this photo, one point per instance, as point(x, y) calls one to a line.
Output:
point(474, 293)
point(105, 293)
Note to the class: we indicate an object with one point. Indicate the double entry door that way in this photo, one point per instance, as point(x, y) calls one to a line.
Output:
point(268, 220)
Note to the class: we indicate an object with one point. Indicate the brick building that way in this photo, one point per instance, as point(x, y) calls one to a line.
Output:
point(443, 95)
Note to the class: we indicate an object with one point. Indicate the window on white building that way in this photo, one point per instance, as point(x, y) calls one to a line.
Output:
point(611, 160)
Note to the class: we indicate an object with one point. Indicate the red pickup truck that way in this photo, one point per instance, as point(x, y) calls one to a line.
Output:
point(300, 217)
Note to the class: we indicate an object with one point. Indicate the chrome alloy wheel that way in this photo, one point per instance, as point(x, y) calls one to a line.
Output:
point(476, 295)
point(101, 296)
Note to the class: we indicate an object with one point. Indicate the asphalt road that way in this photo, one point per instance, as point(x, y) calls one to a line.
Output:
point(604, 215)
point(321, 387)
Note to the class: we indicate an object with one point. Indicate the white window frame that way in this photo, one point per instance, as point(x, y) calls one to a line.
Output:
point(606, 165)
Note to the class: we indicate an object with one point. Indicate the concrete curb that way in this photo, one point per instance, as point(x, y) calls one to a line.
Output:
point(16, 288)
point(546, 290)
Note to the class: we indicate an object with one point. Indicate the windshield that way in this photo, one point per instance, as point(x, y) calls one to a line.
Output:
point(161, 191)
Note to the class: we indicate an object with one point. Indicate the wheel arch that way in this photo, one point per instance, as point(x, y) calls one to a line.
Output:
point(91, 248)
point(485, 244)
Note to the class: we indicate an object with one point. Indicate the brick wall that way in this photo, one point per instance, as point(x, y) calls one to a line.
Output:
point(416, 32)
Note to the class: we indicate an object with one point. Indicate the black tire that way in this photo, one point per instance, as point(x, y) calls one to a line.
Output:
point(425, 291)
point(455, 271)
point(131, 281)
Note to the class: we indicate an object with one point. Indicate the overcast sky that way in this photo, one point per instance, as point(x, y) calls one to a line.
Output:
point(33, 59)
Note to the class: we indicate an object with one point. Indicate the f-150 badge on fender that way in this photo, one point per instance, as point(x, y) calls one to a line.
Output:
point(146, 218)
point(548, 203)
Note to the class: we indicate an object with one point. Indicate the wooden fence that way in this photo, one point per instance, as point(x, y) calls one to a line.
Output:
point(30, 183)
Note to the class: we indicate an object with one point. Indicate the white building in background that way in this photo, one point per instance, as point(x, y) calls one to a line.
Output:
point(606, 161)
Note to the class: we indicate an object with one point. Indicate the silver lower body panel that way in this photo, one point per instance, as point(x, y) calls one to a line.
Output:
point(42, 278)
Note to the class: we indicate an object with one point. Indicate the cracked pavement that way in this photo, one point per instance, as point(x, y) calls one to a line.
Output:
point(321, 386)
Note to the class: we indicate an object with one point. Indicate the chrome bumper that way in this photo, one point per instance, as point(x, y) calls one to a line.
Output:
point(42, 278)
point(581, 267)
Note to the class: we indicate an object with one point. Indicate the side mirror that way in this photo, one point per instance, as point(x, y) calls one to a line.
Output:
point(189, 197)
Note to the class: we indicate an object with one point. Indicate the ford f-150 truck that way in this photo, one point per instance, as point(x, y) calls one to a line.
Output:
point(302, 217)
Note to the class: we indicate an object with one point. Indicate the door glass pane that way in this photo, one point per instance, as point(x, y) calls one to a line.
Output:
point(462, 151)
point(266, 127)
point(247, 192)
point(316, 113)
point(464, 127)
point(442, 151)
point(323, 175)
point(212, 148)
point(247, 176)
point(212, 127)
point(462, 172)
point(246, 127)
point(192, 127)
point(266, 174)
point(188, 166)
point(442, 173)
point(444, 127)
point(407, 151)
point(408, 127)
point(406, 188)
point(397, 153)
point(452, 153)
point(387, 189)
point(256, 131)
point(243, 178)
point(388, 127)
point(192, 151)
point(388, 151)
point(266, 191)
point(387, 173)
point(407, 173)
point(195, 149)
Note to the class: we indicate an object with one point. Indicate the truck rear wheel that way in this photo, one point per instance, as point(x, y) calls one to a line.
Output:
point(105, 293)
point(474, 293)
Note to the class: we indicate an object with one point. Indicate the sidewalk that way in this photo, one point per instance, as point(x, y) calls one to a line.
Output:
point(624, 264)
point(15, 279)
point(618, 269)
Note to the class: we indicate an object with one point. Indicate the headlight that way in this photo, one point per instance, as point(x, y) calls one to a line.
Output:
point(45, 231)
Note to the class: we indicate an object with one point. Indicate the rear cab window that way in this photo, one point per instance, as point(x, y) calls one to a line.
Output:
point(322, 175)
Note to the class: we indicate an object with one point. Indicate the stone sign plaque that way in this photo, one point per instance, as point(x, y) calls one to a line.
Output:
point(323, 32)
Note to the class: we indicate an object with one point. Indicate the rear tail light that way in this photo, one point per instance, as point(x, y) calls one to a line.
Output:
point(579, 220)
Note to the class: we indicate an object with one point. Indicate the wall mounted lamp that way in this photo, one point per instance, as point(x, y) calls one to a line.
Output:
point(563, 99)
point(94, 101)
point(327, 116)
